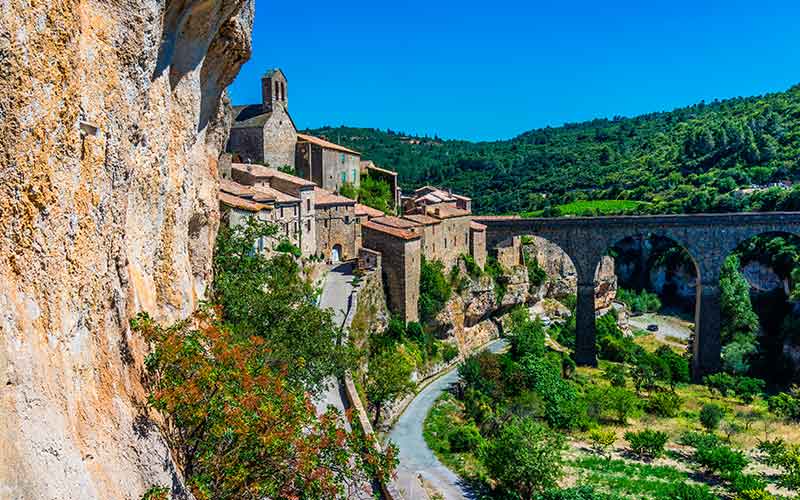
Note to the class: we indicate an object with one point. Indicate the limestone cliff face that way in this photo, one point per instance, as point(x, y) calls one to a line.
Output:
point(562, 277)
point(109, 133)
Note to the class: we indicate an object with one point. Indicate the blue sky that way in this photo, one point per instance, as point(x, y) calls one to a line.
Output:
point(494, 69)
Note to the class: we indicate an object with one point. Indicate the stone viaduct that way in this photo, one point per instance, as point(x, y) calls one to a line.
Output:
point(709, 239)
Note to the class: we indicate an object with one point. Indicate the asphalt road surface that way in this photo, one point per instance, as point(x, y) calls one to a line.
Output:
point(416, 459)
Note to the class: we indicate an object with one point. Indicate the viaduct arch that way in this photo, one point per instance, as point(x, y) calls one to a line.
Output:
point(709, 239)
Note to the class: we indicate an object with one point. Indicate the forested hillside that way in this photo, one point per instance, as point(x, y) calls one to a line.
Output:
point(703, 158)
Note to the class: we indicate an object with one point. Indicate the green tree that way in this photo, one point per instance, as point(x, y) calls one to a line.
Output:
point(524, 458)
point(711, 415)
point(267, 298)
point(434, 289)
point(376, 193)
point(388, 378)
point(739, 321)
point(237, 427)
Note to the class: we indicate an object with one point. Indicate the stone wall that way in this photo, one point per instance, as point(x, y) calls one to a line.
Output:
point(401, 268)
point(334, 164)
point(112, 126)
point(338, 225)
point(279, 138)
point(448, 240)
point(509, 253)
point(478, 247)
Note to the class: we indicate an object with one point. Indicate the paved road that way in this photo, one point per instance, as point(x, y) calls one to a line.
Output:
point(416, 459)
point(335, 295)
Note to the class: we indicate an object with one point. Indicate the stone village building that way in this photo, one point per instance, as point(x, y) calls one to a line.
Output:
point(435, 224)
point(265, 133)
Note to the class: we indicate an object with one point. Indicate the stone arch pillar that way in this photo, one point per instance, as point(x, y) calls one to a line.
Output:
point(707, 345)
point(585, 328)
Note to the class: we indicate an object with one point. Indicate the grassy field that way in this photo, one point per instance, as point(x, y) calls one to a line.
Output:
point(592, 207)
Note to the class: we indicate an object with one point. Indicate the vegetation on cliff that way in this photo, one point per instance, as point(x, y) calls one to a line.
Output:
point(692, 159)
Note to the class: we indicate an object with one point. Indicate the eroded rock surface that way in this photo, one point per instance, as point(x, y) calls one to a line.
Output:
point(110, 127)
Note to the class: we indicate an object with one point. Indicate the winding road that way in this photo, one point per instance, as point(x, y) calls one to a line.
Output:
point(416, 459)
point(335, 295)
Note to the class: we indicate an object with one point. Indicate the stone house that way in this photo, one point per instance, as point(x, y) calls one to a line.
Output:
point(265, 133)
point(294, 210)
point(400, 261)
point(429, 195)
point(327, 164)
point(436, 231)
point(338, 227)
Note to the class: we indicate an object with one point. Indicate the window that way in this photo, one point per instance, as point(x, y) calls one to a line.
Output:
point(445, 242)
point(341, 157)
point(294, 211)
point(354, 175)
point(308, 204)
point(277, 91)
point(344, 177)
point(308, 224)
point(295, 227)
point(347, 219)
point(281, 212)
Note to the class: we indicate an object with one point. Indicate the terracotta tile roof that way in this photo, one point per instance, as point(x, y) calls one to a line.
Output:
point(370, 165)
point(324, 144)
point(370, 212)
point(475, 226)
point(445, 211)
point(422, 219)
point(460, 197)
point(278, 196)
point(392, 231)
point(325, 197)
point(236, 202)
point(235, 188)
point(392, 221)
point(263, 172)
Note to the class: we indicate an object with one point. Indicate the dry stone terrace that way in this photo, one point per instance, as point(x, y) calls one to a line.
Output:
point(708, 238)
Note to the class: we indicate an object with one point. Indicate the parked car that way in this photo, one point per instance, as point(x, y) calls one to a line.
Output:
point(652, 328)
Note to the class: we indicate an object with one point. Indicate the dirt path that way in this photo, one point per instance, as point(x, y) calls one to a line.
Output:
point(671, 330)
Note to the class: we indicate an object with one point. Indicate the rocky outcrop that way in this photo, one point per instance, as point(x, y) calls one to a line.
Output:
point(111, 127)
point(562, 277)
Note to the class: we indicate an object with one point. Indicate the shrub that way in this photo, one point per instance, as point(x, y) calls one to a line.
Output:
point(639, 302)
point(685, 491)
point(677, 365)
point(449, 352)
point(536, 275)
point(647, 443)
point(746, 482)
point(664, 404)
point(755, 495)
point(434, 289)
point(622, 402)
point(524, 458)
point(563, 409)
point(721, 383)
point(711, 415)
point(721, 459)
point(286, 246)
point(577, 493)
point(615, 374)
point(472, 267)
point(786, 405)
point(464, 438)
point(748, 388)
point(602, 440)
point(699, 440)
